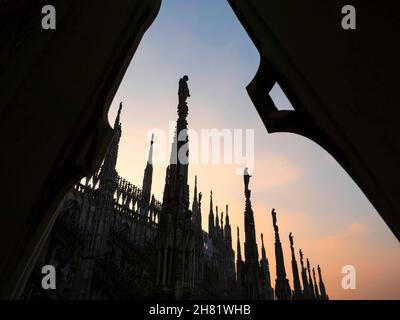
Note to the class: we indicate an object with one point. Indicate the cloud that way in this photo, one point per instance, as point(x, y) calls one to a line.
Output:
point(353, 232)
point(279, 170)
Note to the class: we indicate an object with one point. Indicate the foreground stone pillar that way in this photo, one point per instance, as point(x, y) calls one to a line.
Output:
point(56, 87)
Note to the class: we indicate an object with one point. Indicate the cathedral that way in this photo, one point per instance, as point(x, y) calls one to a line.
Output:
point(113, 240)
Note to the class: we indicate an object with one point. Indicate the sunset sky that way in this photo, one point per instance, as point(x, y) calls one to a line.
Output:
point(331, 219)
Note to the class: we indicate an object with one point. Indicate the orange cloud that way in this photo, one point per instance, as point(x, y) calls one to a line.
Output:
point(349, 235)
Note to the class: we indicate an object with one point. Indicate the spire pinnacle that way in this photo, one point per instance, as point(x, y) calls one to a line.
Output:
point(239, 254)
point(262, 240)
point(117, 118)
point(150, 155)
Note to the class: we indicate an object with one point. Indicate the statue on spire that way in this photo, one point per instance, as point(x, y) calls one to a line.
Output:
point(274, 220)
point(291, 241)
point(183, 91)
point(246, 178)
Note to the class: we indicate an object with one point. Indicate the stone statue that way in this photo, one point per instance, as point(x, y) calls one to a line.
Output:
point(274, 220)
point(183, 91)
point(301, 257)
point(291, 240)
point(246, 178)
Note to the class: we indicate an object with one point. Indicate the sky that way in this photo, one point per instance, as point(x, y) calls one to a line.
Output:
point(331, 219)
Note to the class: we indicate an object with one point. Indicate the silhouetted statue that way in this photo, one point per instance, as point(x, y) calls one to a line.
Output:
point(301, 257)
point(291, 240)
point(274, 220)
point(246, 177)
point(183, 91)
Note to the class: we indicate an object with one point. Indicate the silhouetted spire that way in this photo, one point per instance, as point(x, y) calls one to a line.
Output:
point(108, 173)
point(117, 118)
point(147, 179)
point(282, 288)
point(315, 285)
point(196, 208)
point(216, 221)
point(108, 181)
point(239, 251)
point(250, 244)
point(324, 296)
point(296, 280)
point(310, 280)
point(229, 255)
point(307, 294)
point(194, 203)
point(222, 223)
point(269, 292)
point(239, 263)
point(211, 218)
point(175, 217)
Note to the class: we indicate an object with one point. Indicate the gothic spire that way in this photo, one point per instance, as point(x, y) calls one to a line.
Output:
point(216, 220)
point(211, 218)
point(222, 223)
point(239, 264)
point(310, 281)
point(306, 286)
point(239, 251)
point(108, 182)
point(315, 285)
point(147, 179)
point(196, 207)
point(324, 296)
point(282, 288)
point(117, 118)
point(269, 292)
point(108, 174)
point(296, 279)
point(250, 245)
point(174, 217)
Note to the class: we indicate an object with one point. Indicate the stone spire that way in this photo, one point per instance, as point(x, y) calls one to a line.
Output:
point(222, 224)
point(147, 178)
point(297, 294)
point(250, 244)
point(211, 218)
point(307, 294)
point(239, 263)
point(310, 281)
point(282, 288)
point(324, 296)
point(269, 292)
point(198, 234)
point(315, 285)
point(105, 197)
point(108, 174)
point(172, 239)
point(217, 231)
point(195, 207)
point(230, 259)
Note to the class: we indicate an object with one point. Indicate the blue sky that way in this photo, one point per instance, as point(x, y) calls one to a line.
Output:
point(331, 219)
